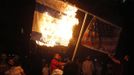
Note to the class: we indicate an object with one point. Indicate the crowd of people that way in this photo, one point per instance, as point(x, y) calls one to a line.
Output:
point(10, 65)
point(88, 66)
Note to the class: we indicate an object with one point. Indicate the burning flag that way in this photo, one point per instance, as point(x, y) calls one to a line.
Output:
point(53, 22)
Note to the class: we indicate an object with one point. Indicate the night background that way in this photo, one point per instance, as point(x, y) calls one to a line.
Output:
point(17, 18)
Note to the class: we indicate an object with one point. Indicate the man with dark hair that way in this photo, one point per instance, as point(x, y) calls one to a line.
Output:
point(56, 63)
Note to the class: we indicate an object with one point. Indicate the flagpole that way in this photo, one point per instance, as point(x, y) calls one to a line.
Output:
point(78, 41)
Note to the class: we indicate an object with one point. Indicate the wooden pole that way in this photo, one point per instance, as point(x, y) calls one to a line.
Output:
point(77, 44)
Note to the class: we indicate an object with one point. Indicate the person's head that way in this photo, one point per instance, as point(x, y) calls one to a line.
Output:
point(45, 65)
point(57, 56)
point(126, 57)
point(11, 61)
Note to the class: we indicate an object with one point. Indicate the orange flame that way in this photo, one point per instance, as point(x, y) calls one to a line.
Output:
point(58, 31)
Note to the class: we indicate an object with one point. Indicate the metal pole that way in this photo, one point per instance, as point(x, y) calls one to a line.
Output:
point(65, 1)
point(76, 47)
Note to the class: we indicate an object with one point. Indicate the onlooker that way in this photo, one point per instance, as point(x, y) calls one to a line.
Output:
point(45, 70)
point(3, 63)
point(98, 67)
point(56, 63)
point(14, 68)
point(87, 66)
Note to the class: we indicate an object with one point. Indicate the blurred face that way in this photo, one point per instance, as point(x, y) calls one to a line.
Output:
point(126, 57)
point(11, 61)
point(57, 56)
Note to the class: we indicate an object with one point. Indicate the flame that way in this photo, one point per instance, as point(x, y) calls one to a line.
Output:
point(58, 31)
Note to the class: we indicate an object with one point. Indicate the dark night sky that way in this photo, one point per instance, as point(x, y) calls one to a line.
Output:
point(17, 14)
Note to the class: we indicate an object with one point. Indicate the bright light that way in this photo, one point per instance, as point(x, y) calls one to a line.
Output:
point(57, 31)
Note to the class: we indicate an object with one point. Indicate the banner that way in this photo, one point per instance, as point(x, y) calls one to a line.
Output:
point(101, 36)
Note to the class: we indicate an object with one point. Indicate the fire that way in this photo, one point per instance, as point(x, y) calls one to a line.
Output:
point(58, 31)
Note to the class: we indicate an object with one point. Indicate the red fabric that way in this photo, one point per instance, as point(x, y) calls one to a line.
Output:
point(55, 64)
